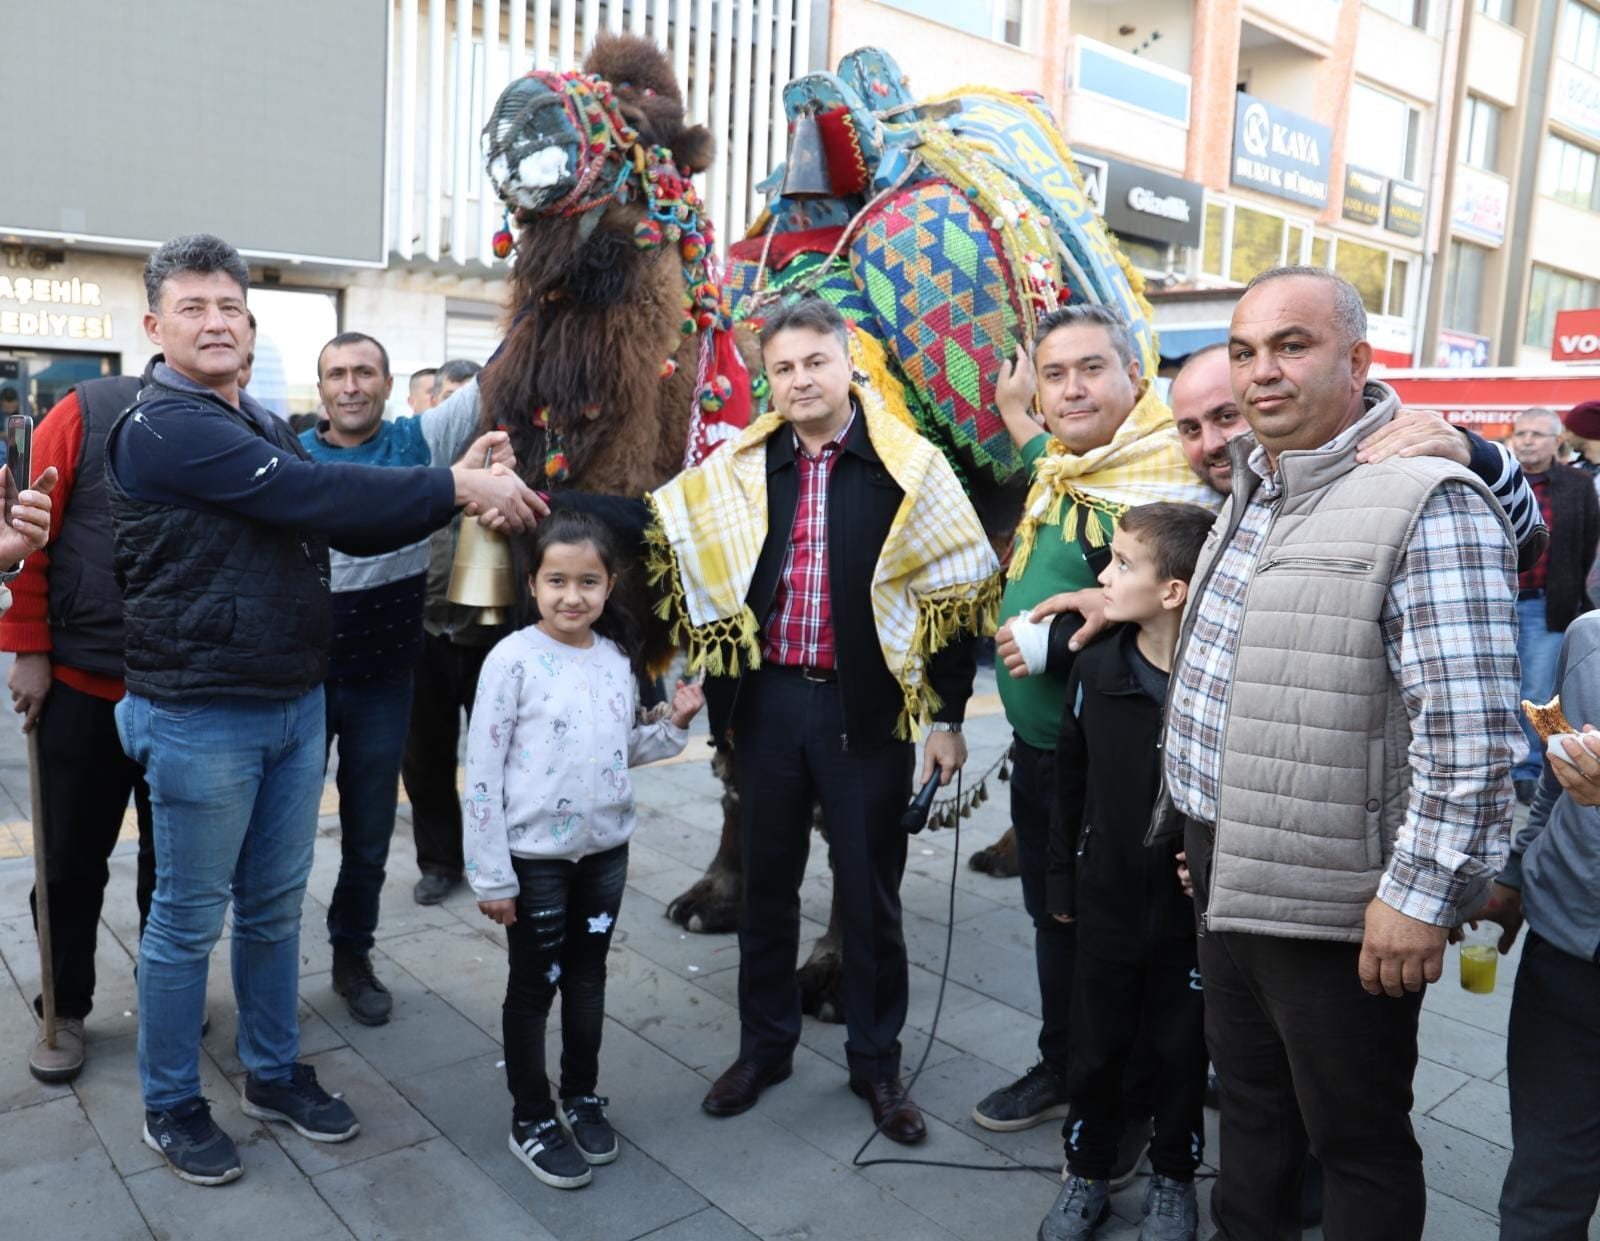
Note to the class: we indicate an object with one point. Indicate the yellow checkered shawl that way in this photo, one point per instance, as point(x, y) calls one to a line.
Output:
point(1142, 464)
point(936, 575)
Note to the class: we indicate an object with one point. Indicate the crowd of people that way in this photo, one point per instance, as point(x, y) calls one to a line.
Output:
point(1261, 650)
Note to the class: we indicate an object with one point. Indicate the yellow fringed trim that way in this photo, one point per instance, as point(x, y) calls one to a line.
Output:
point(940, 619)
point(723, 647)
point(1068, 517)
point(867, 356)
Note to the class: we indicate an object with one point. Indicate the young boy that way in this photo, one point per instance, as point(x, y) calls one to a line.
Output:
point(1136, 961)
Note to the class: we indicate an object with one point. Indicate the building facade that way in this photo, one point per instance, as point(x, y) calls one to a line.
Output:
point(1230, 136)
point(337, 147)
point(1524, 243)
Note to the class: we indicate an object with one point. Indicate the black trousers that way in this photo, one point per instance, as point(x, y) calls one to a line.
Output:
point(566, 913)
point(1305, 1057)
point(788, 753)
point(86, 780)
point(1553, 1058)
point(446, 683)
point(1033, 807)
point(1147, 1000)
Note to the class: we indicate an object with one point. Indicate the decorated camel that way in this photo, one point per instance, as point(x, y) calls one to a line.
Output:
point(942, 230)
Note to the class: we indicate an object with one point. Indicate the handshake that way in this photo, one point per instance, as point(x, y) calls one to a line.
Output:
point(489, 488)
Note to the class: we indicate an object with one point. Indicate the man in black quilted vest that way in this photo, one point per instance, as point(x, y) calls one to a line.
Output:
point(221, 527)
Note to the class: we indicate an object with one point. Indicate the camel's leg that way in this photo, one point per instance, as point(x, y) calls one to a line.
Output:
point(999, 859)
point(711, 906)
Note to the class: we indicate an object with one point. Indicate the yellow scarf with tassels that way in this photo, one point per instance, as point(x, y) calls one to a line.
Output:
point(1142, 464)
point(936, 575)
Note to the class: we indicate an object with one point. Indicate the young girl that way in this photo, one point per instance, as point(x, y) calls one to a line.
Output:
point(549, 809)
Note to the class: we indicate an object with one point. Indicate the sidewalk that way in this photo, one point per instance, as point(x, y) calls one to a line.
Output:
point(431, 1159)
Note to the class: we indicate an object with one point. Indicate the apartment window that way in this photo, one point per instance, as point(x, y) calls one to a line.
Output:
point(1411, 12)
point(992, 19)
point(1390, 130)
point(1463, 287)
point(1550, 290)
point(1580, 36)
point(1502, 11)
point(1480, 134)
point(1568, 174)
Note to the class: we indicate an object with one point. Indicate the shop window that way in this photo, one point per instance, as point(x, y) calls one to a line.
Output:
point(292, 325)
point(1390, 129)
point(1150, 256)
point(1319, 252)
point(1501, 10)
point(1399, 275)
point(1550, 290)
point(1297, 244)
point(1580, 36)
point(1480, 134)
point(1212, 230)
point(1366, 267)
point(1463, 287)
point(1257, 243)
point(1569, 174)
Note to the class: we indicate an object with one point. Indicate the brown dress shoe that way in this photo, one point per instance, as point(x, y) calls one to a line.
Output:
point(741, 1085)
point(892, 1109)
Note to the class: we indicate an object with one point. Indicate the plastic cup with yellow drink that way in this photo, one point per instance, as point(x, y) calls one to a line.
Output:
point(1480, 952)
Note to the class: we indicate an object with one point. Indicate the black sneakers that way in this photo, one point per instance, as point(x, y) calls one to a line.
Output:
point(301, 1102)
point(591, 1132)
point(543, 1146)
point(368, 999)
point(1038, 1095)
point(194, 1148)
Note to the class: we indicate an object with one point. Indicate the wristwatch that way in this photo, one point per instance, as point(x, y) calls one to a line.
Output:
point(944, 726)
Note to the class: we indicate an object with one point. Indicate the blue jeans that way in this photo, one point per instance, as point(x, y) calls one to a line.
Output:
point(370, 717)
point(1537, 651)
point(234, 787)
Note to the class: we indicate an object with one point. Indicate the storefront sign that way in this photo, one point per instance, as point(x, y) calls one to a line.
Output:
point(1577, 336)
point(1407, 205)
point(1575, 98)
point(1093, 171)
point(1363, 196)
point(30, 313)
point(1139, 202)
point(1481, 201)
point(1280, 152)
point(1459, 351)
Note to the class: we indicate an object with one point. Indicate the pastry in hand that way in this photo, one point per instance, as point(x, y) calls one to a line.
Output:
point(1547, 719)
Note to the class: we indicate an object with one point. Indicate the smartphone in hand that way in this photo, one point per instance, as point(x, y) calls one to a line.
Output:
point(19, 459)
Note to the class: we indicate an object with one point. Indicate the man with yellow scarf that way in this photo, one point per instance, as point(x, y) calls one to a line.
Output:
point(1107, 443)
point(828, 572)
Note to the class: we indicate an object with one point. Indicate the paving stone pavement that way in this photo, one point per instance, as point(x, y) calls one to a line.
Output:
point(431, 1160)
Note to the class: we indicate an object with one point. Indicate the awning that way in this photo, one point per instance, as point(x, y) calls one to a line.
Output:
point(1178, 343)
point(1488, 399)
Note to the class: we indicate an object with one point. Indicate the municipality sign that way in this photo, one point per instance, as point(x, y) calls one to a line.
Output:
point(1280, 152)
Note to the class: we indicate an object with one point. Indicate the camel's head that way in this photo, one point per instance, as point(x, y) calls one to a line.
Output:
point(569, 153)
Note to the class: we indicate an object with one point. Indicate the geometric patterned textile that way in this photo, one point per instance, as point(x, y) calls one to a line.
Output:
point(932, 270)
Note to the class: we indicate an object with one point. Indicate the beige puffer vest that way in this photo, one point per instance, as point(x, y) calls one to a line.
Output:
point(1315, 773)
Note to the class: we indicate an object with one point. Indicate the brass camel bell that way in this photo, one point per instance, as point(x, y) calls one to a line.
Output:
point(806, 174)
point(481, 576)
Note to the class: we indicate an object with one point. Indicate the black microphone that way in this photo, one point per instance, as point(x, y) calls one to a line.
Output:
point(916, 816)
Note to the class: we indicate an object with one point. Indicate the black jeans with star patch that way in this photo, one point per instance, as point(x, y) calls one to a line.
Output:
point(566, 912)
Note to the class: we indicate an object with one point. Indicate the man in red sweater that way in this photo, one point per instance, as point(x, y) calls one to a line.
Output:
point(65, 626)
